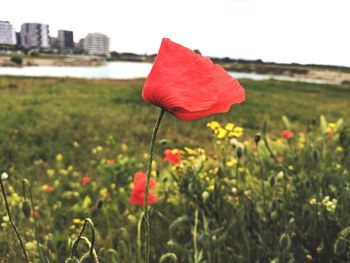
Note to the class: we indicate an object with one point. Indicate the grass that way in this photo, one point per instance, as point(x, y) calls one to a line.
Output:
point(43, 116)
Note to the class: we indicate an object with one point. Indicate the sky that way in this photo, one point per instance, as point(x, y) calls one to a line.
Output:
point(300, 31)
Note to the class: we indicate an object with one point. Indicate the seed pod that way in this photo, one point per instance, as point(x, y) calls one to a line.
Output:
point(164, 142)
point(239, 150)
point(99, 204)
point(205, 196)
point(26, 208)
point(257, 138)
point(313, 122)
point(168, 257)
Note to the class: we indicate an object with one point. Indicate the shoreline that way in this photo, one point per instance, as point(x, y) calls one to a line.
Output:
point(334, 74)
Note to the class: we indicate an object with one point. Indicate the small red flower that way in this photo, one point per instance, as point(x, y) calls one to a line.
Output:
point(189, 85)
point(287, 134)
point(330, 132)
point(139, 189)
point(49, 189)
point(110, 162)
point(85, 180)
point(34, 213)
point(280, 159)
point(172, 156)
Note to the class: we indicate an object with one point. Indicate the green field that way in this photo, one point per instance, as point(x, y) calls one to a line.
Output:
point(41, 117)
point(287, 204)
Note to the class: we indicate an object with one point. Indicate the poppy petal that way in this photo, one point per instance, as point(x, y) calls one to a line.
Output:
point(184, 83)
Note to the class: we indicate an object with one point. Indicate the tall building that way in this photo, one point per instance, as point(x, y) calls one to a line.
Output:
point(96, 44)
point(79, 46)
point(65, 41)
point(35, 35)
point(7, 33)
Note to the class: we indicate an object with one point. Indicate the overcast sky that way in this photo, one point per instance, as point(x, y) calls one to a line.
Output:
point(303, 31)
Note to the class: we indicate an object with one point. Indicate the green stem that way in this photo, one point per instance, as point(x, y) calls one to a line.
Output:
point(267, 144)
point(11, 221)
point(262, 176)
point(26, 182)
point(149, 170)
point(75, 244)
point(195, 230)
point(237, 173)
point(139, 242)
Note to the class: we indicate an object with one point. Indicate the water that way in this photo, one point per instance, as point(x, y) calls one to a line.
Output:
point(120, 70)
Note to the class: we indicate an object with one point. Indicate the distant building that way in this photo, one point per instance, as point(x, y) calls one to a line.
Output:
point(54, 43)
point(35, 35)
point(96, 44)
point(18, 39)
point(7, 33)
point(65, 41)
point(79, 46)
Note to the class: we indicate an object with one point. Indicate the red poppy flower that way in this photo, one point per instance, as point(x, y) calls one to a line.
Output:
point(34, 213)
point(139, 189)
point(287, 134)
point(85, 180)
point(189, 85)
point(280, 159)
point(111, 162)
point(172, 156)
point(49, 189)
point(330, 132)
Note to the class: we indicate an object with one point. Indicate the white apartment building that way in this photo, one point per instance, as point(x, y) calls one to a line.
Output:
point(35, 35)
point(96, 44)
point(7, 34)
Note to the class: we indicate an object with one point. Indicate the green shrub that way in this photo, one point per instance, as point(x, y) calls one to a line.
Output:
point(17, 60)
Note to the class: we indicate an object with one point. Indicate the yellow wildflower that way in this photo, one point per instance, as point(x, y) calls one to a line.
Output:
point(331, 126)
point(59, 157)
point(221, 133)
point(124, 147)
point(339, 149)
point(63, 171)
point(231, 163)
point(211, 187)
point(213, 125)
point(229, 126)
point(99, 148)
point(77, 221)
point(50, 172)
point(312, 201)
point(241, 169)
point(190, 151)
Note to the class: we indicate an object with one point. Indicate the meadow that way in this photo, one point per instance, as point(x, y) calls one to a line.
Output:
point(233, 196)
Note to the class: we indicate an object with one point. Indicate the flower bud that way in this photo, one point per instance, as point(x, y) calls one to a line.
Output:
point(257, 138)
point(205, 196)
point(239, 150)
point(26, 208)
point(313, 122)
point(99, 204)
